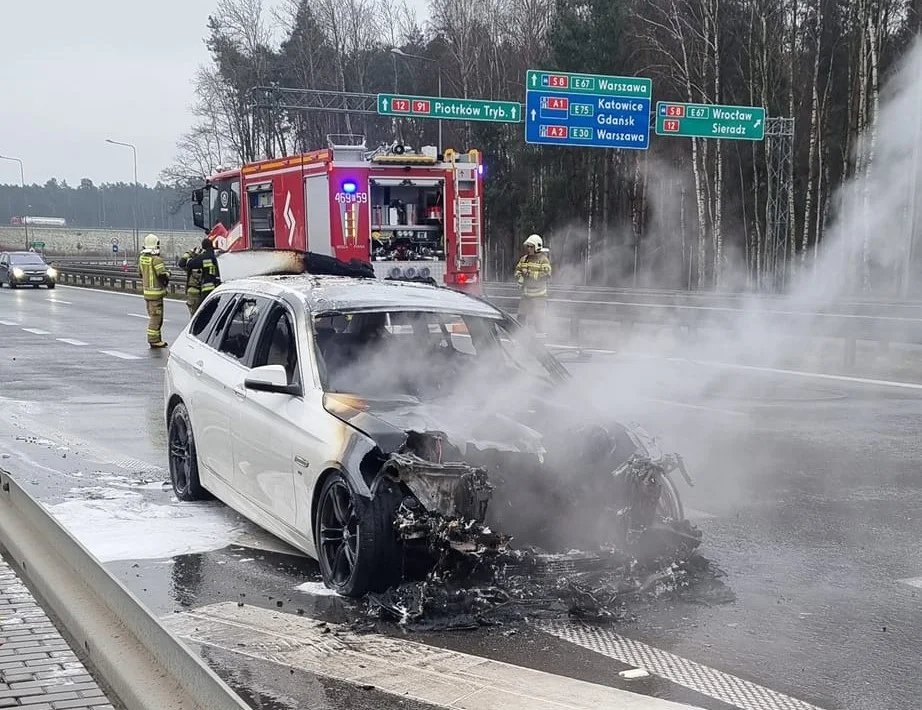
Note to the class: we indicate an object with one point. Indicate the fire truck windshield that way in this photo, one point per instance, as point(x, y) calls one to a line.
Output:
point(224, 201)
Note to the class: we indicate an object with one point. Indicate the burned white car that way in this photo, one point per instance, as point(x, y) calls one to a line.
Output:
point(381, 425)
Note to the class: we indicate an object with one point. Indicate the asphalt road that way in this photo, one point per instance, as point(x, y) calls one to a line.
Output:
point(806, 490)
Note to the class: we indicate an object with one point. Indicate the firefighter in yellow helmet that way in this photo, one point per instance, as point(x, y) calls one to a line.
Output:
point(532, 273)
point(154, 280)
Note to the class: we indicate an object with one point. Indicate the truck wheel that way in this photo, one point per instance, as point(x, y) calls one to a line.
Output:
point(357, 554)
point(183, 457)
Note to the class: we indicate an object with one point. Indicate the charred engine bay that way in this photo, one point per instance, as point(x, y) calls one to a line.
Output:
point(491, 536)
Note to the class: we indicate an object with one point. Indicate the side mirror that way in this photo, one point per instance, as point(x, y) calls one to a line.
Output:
point(198, 215)
point(270, 378)
point(198, 195)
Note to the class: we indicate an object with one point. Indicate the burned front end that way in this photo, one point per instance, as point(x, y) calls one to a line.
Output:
point(593, 492)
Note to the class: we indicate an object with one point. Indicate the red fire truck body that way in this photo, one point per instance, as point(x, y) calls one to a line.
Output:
point(407, 213)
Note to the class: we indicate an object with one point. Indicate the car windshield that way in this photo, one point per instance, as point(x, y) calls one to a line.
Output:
point(425, 355)
point(26, 260)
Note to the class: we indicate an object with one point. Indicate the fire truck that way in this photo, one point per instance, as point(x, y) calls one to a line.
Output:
point(411, 214)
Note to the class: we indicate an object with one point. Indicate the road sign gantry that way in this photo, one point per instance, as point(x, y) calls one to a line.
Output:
point(449, 108)
point(587, 110)
point(710, 121)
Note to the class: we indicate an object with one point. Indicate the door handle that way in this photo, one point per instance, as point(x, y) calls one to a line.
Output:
point(240, 392)
point(199, 367)
point(301, 461)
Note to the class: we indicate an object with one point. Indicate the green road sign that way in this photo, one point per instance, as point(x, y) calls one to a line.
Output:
point(37, 245)
point(537, 80)
point(710, 121)
point(449, 108)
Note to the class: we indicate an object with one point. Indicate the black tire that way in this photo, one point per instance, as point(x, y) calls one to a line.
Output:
point(183, 457)
point(357, 553)
point(50, 286)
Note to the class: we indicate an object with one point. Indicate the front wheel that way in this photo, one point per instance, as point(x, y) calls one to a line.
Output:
point(358, 551)
point(669, 507)
point(50, 286)
point(183, 457)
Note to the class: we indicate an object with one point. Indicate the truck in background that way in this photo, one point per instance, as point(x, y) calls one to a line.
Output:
point(408, 213)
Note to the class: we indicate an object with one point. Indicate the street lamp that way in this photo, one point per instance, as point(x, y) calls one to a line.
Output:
point(135, 153)
point(22, 182)
point(399, 52)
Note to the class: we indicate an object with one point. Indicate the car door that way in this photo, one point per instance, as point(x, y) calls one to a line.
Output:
point(194, 359)
point(267, 450)
point(225, 372)
point(4, 267)
point(213, 398)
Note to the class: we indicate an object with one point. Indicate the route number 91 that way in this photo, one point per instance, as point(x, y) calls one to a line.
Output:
point(350, 197)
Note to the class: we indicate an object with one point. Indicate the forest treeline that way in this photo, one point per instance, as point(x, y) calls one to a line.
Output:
point(105, 206)
point(687, 213)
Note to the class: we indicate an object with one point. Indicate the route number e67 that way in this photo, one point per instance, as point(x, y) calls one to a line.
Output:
point(350, 197)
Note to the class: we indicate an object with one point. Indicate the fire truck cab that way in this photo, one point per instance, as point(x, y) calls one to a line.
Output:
point(408, 213)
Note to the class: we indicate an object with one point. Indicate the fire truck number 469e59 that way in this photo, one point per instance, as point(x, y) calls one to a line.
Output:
point(408, 213)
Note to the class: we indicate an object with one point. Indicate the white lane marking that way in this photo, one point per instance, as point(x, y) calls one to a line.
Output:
point(138, 315)
point(406, 669)
point(754, 368)
point(37, 331)
point(708, 681)
point(801, 373)
point(100, 290)
point(120, 355)
point(7, 322)
point(913, 582)
point(699, 407)
point(71, 341)
point(58, 300)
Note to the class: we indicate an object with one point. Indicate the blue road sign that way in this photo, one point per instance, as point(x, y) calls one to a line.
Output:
point(587, 111)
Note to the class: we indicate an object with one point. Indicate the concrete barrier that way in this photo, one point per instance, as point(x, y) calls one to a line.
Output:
point(143, 663)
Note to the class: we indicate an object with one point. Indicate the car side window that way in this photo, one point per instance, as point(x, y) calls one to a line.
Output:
point(278, 344)
point(241, 326)
point(206, 315)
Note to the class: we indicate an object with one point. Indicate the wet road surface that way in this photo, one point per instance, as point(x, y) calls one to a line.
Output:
point(806, 491)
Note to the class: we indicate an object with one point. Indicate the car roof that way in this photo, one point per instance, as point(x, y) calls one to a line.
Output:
point(333, 293)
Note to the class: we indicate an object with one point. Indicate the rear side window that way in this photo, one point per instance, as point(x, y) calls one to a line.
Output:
point(207, 315)
point(242, 325)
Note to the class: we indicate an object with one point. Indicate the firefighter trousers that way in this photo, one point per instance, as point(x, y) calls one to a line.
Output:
point(193, 300)
point(533, 313)
point(155, 320)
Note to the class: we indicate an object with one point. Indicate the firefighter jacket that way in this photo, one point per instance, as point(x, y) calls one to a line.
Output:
point(154, 276)
point(533, 273)
point(202, 275)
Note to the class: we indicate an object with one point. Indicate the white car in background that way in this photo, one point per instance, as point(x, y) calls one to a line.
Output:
point(345, 415)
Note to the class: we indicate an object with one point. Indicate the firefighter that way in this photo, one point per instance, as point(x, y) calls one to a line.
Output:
point(154, 278)
point(193, 279)
point(202, 275)
point(532, 273)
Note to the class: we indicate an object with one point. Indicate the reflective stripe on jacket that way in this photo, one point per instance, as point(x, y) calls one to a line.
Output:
point(154, 276)
point(533, 272)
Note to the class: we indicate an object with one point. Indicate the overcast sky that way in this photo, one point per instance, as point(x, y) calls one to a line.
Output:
point(75, 73)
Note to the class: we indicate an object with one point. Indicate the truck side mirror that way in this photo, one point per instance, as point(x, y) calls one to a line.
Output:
point(198, 215)
point(198, 195)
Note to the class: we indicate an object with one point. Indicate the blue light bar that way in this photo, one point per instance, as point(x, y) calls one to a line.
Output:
point(349, 187)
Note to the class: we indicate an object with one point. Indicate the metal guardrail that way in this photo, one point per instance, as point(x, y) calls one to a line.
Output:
point(137, 658)
point(849, 321)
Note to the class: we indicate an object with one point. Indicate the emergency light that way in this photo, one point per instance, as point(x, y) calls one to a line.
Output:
point(349, 187)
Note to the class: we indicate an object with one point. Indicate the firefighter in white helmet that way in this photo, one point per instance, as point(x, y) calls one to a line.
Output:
point(532, 273)
point(154, 280)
